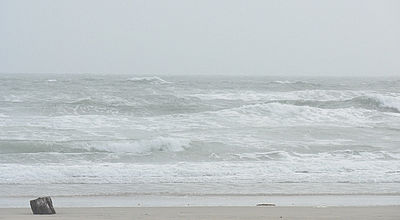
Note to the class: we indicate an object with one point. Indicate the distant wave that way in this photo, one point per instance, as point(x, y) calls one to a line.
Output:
point(164, 144)
point(144, 146)
point(358, 111)
point(151, 80)
point(331, 155)
point(284, 114)
point(325, 99)
point(288, 82)
point(314, 94)
point(87, 100)
point(375, 102)
point(138, 105)
point(283, 82)
point(304, 84)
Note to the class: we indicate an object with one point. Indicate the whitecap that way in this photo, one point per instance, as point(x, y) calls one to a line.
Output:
point(389, 100)
point(283, 82)
point(144, 146)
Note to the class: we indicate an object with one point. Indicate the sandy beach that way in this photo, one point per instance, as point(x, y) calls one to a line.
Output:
point(374, 212)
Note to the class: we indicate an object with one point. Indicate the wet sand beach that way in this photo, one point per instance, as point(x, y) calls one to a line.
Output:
point(209, 213)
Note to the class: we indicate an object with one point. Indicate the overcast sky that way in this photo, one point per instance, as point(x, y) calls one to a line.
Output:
point(304, 37)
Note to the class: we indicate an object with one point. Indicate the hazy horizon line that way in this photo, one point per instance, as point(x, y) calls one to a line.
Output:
point(348, 75)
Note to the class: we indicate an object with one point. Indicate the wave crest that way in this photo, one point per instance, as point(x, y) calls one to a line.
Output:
point(150, 79)
point(370, 102)
point(389, 101)
point(143, 146)
point(166, 144)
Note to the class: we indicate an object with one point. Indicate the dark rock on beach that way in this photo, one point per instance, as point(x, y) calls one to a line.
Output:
point(42, 206)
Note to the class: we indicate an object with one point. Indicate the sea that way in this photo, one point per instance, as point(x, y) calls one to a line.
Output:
point(105, 136)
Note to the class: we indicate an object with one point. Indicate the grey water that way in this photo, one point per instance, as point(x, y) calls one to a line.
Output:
point(85, 134)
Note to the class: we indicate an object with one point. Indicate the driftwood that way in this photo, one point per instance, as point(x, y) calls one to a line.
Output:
point(42, 206)
point(266, 204)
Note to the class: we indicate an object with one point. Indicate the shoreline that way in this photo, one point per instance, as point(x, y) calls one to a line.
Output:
point(198, 201)
point(211, 212)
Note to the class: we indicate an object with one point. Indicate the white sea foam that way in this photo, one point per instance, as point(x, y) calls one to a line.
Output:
point(320, 95)
point(291, 82)
point(391, 100)
point(272, 114)
point(313, 169)
point(283, 82)
point(14, 98)
point(168, 144)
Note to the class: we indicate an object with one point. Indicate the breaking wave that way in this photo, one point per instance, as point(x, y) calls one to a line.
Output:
point(144, 146)
point(377, 102)
point(392, 102)
point(315, 94)
point(331, 155)
point(283, 114)
point(164, 144)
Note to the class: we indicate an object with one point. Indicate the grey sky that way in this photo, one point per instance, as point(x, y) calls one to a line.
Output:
point(311, 37)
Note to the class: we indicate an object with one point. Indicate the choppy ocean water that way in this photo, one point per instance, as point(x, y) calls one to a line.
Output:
point(74, 135)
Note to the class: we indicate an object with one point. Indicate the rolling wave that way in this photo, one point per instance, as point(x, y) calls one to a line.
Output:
point(379, 103)
point(148, 80)
point(300, 83)
point(144, 146)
